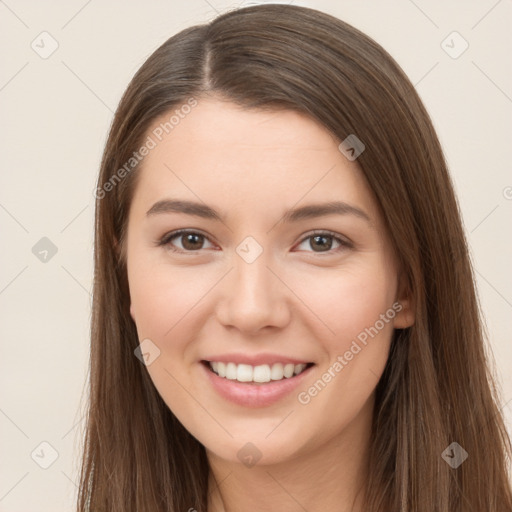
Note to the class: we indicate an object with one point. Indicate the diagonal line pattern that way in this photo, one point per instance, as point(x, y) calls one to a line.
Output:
point(279, 424)
point(198, 301)
point(374, 374)
point(14, 423)
point(492, 81)
point(193, 192)
point(199, 403)
point(14, 486)
point(76, 280)
point(424, 76)
point(87, 86)
point(488, 215)
point(13, 279)
point(74, 218)
point(498, 413)
point(14, 218)
point(73, 427)
point(280, 485)
point(333, 333)
point(13, 13)
point(218, 484)
point(305, 194)
point(14, 76)
point(213, 7)
point(70, 479)
point(76, 14)
point(486, 14)
point(424, 14)
point(494, 288)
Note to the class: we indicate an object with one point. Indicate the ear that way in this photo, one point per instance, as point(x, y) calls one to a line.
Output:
point(404, 306)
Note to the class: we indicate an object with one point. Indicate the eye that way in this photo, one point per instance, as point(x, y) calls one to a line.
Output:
point(191, 241)
point(323, 240)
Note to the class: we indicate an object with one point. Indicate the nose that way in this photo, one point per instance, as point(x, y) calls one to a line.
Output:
point(253, 297)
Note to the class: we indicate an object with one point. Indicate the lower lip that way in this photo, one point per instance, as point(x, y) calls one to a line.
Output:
point(250, 394)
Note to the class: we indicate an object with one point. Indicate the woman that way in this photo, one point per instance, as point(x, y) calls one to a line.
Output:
point(284, 312)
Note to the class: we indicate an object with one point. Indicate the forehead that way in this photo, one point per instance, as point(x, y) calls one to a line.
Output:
point(249, 160)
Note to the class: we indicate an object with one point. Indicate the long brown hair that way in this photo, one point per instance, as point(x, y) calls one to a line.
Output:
point(437, 387)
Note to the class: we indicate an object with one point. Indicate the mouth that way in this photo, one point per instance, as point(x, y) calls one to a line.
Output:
point(260, 374)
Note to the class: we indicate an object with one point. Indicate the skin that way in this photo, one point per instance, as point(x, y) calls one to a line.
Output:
point(294, 299)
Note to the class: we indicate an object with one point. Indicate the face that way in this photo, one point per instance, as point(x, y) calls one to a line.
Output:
point(262, 281)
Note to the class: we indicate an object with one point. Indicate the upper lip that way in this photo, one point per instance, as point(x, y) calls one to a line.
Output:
point(256, 359)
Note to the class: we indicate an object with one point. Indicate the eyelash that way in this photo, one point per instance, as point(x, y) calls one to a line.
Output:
point(166, 241)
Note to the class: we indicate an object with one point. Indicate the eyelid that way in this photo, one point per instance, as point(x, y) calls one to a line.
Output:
point(165, 240)
point(344, 242)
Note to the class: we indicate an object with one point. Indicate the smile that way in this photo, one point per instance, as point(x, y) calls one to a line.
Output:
point(257, 374)
point(259, 385)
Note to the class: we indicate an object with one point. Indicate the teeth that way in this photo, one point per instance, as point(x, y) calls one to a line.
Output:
point(231, 371)
point(288, 370)
point(299, 368)
point(244, 373)
point(277, 373)
point(261, 373)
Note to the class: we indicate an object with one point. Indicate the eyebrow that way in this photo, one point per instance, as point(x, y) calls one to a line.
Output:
point(293, 215)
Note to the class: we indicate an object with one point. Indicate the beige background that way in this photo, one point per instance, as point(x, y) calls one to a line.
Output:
point(55, 115)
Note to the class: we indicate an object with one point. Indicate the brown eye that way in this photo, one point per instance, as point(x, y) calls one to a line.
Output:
point(189, 241)
point(192, 241)
point(323, 242)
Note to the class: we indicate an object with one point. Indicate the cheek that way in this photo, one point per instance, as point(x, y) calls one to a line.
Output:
point(350, 300)
point(357, 305)
point(166, 303)
point(162, 296)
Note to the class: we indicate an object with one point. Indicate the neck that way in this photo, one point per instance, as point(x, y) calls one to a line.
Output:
point(324, 478)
